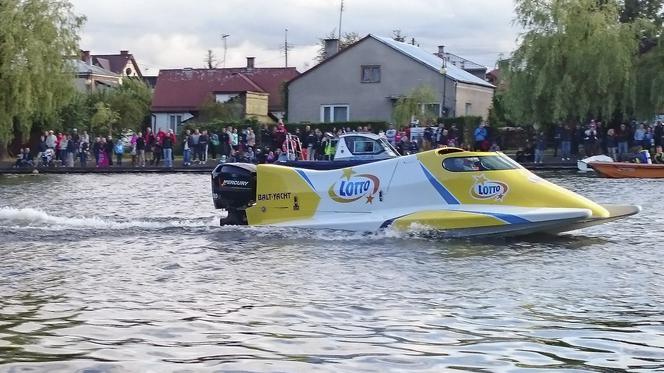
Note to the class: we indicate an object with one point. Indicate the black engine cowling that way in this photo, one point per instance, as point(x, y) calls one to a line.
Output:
point(234, 189)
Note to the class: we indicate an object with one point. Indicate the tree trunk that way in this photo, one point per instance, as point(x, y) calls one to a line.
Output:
point(4, 156)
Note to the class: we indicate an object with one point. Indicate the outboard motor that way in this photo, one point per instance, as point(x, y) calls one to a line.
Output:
point(234, 189)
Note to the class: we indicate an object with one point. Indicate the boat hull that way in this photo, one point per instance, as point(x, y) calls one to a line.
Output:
point(628, 170)
point(470, 222)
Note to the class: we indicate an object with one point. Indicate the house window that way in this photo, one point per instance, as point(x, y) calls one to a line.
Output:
point(334, 113)
point(468, 108)
point(430, 109)
point(175, 121)
point(370, 73)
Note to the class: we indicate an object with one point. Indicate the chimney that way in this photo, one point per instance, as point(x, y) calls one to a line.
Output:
point(250, 62)
point(331, 47)
point(441, 51)
point(124, 53)
point(86, 57)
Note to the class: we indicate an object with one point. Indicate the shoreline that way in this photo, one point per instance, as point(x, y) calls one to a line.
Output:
point(8, 170)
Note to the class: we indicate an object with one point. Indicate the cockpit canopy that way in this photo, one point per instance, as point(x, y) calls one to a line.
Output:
point(364, 146)
point(493, 162)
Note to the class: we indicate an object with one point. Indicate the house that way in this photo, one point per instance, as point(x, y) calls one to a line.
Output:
point(180, 93)
point(150, 81)
point(123, 64)
point(363, 82)
point(465, 64)
point(91, 78)
point(493, 76)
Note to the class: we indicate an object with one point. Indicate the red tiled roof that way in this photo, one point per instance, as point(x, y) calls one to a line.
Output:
point(187, 89)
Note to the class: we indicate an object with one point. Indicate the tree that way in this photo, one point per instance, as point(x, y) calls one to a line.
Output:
point(648, 91)
point(574, 60)
point(103, 118)
point(648, 16)
point(347, 39)
point(131, 101)
point(398, 36)
point(227, 112)
point(650, 10)
point(210, 60)
point(414, 104)
point(76, 113)
point(35, 77)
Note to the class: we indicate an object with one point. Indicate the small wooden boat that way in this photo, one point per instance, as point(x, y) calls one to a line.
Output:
point(628, 170)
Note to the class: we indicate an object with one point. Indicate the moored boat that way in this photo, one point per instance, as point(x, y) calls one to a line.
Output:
point(628, 170)
point(582, 164)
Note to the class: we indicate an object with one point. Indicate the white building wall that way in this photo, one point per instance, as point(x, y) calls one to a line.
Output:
point(163, 120)
point(473, 100)
point(130, 65)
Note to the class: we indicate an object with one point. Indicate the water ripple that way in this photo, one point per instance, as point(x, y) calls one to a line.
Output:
point(131, 273)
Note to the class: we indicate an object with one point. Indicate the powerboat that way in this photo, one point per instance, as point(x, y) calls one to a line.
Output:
point(619, 170)
point(449, 191)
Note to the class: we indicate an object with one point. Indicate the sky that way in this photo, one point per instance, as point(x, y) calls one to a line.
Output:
point(176, 33)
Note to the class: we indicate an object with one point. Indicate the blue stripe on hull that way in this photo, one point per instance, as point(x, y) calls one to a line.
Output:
point(306, 178)
point(447, 196)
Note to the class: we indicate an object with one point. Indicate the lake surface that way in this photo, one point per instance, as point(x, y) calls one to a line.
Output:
point(110, 273)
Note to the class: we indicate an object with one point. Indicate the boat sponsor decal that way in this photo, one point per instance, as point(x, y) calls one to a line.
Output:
point(273, 196)
point(352, 187)
point(485, 189)
point(235, 183)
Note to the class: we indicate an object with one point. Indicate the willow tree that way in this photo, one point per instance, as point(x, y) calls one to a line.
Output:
point(36, 39)
point(415, 105)
point(575, 59)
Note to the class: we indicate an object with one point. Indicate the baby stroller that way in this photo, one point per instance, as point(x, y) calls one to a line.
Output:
point(47, 158)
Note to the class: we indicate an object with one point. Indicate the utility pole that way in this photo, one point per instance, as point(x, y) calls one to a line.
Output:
point(224, 37)
point(286, 47)
point(341, 13)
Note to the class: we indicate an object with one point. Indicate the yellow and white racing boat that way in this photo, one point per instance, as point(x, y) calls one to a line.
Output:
point(451, 191)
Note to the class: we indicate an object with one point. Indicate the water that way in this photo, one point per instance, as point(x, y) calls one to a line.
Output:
point(108, 273)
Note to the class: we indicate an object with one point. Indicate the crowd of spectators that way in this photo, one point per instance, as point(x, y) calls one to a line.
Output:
point(626, 142)
point(271, 143)
point(268, 144)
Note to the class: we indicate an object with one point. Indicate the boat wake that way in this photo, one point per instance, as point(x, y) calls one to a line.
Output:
point(18, 218)
point(29, 219)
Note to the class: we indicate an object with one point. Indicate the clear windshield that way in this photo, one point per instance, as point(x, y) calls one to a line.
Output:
point(479, 163)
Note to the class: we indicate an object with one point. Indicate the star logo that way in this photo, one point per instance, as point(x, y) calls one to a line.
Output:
point(481, 179)
point(485, 189)
point(348, 173)
point(370, 199)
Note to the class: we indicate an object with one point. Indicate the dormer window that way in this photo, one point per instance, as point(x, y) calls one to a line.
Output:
point(128, 71)
point(370, 73)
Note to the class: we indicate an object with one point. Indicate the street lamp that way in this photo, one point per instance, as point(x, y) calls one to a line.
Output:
point(224, 37)
point(443, 71)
